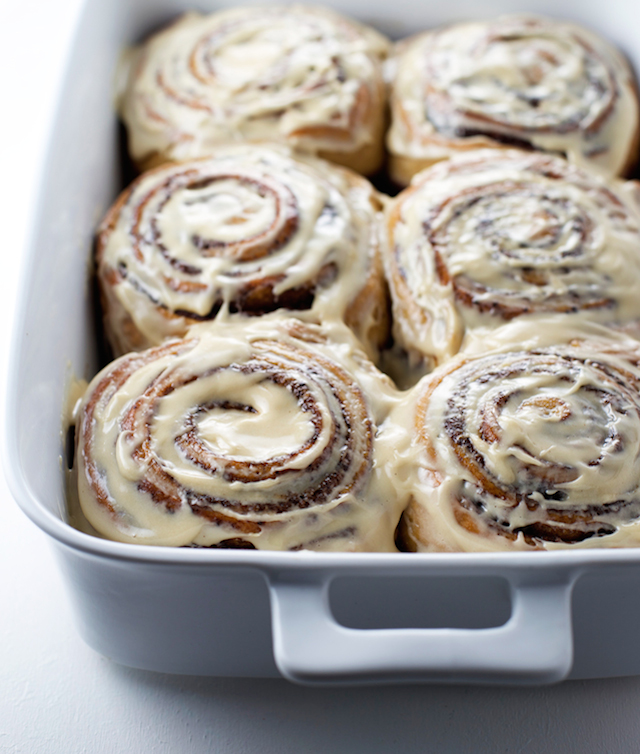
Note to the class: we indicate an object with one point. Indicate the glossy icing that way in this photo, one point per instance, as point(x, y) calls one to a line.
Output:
point(528, 439)
point(262, 432)
point(304, 75)
point(528, 80)
point(498, 234)
point(252, 229)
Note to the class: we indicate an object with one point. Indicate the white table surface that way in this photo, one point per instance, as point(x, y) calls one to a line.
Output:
point(57, 695)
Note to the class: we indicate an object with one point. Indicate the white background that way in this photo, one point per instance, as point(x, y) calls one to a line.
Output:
point(57, 695)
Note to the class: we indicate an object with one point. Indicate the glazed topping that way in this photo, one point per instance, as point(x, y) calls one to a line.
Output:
point(252, 229)
point(255, 433)
point(297, 73)
point(243, 427)
point(495, 235)
point(527, 448)
point(541, 422)
point(524, 81)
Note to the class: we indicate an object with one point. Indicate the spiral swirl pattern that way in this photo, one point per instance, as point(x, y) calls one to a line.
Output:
point(517, 80)
point(250, 230)
point(528, 449)
point(495, 235)
point(300, 75)
point(235, 437)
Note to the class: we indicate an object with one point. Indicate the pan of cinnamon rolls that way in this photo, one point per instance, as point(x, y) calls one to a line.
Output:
point(368, 320)
point(299, 359)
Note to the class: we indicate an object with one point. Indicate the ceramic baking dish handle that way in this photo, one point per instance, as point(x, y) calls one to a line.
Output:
point(534, 646)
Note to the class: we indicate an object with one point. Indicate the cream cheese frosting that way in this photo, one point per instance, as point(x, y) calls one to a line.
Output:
point(299, 74)
point(276, 433)
point(498, 234)
point(527, 440)
point(521, 80)
point(255, 434)
point(251, 229)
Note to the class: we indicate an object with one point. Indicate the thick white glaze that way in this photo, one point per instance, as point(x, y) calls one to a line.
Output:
point(262, 431)
point(537, 425)
point(553, 85)
point(188, 241)
point(299, 74)
point(497, 234)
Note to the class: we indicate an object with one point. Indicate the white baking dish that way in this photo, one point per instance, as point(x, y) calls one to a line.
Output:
point(510, 618)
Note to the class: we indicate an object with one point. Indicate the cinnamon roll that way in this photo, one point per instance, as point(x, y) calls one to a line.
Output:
point(494, 235)
point(298, 74)
point(532, 447)
point(258, 434)
point(251, 229)
point(521, 81)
